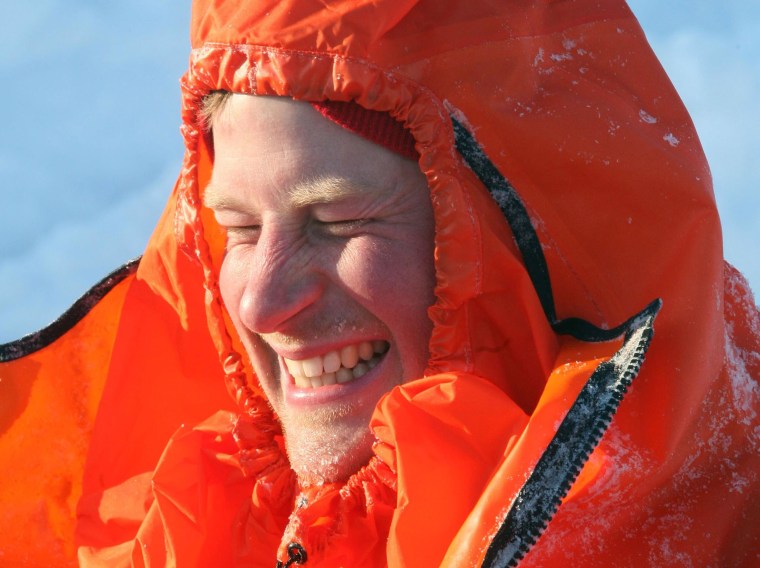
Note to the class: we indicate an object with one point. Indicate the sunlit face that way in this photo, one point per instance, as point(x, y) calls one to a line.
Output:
point(328, 272)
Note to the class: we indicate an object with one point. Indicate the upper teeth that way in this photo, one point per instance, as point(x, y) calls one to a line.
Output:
point(340, 366)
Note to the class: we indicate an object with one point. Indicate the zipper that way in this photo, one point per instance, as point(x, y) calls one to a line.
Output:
point(578, 434)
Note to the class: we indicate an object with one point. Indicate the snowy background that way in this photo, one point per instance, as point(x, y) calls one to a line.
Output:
point(91, 148)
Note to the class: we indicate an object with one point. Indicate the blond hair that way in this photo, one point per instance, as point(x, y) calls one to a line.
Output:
point(212, 105)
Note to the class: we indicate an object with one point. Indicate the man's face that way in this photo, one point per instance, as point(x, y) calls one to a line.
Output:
point(328, 272)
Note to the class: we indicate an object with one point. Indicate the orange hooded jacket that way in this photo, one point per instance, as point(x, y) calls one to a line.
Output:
point(572, 202)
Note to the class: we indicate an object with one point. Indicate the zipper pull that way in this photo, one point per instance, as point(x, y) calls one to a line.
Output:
point(296, 555)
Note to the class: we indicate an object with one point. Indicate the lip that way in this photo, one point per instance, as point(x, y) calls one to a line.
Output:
point(355, 391)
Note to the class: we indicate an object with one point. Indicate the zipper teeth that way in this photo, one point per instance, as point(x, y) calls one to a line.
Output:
point(579, 433)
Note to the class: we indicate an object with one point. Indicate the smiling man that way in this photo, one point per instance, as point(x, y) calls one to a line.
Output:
point(328, 272)
point(397, 311)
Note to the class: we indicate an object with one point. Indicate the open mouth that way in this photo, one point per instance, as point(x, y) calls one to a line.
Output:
point(337, 367)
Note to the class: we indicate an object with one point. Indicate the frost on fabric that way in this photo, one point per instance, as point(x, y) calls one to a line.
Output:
point(460, 117)
point(713, 461)
point(570, 51)
point(592, 510)
point(665, 528)
point(662, 552)
point(561, 56)
point(646, 117)
point(539, 58)
point(722, 455)
point(745, 389)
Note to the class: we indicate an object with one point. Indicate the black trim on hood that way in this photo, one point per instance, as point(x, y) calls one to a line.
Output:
point(47, 335)
point(506, 196)
point(514, 211)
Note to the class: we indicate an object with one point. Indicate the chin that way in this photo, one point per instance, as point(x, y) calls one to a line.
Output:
point(329, 457)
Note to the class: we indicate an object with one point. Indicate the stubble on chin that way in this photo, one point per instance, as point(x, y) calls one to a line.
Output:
point(327, 451)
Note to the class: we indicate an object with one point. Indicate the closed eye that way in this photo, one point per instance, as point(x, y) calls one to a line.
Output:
point(342, 228)
point(243, 234)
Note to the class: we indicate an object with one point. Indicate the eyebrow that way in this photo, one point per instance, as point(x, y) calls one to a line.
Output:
point(303, 194)
point(330, 189)
point(214, 198)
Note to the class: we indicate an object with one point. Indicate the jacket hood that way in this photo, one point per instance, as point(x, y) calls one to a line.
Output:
point(571, 200)
point(570, 106)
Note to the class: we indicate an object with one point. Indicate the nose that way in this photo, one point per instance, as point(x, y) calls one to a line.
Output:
point(284, 282)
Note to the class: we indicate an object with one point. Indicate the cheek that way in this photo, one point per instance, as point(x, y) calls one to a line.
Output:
point(367, 270)
point(393, 279)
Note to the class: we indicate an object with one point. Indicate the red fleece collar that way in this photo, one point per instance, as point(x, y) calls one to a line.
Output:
point(376, 126)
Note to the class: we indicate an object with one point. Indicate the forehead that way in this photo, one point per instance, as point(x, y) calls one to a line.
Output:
point(266, 146)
